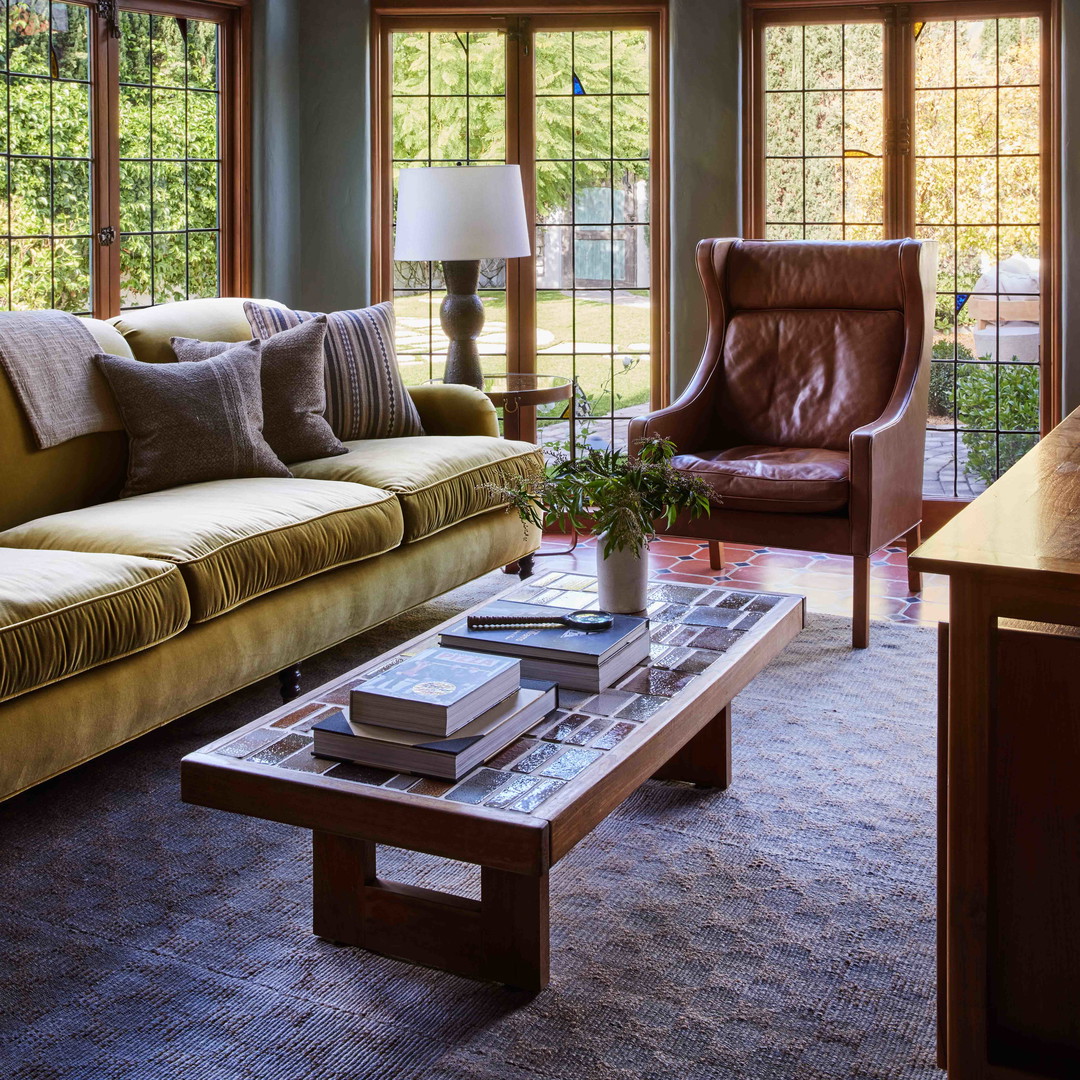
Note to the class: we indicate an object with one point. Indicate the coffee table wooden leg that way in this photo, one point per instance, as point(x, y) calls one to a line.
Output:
point(341, 867)
point(502, 937)
point(514, 908)
point(706, 759)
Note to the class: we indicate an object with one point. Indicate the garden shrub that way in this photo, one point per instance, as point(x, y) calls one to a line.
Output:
point(1001, 396)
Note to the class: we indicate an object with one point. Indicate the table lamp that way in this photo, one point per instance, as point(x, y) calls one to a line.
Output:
point(460, 215)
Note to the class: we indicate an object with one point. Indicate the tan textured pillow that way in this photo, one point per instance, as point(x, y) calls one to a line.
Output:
point(293, 389)
point(188, 423)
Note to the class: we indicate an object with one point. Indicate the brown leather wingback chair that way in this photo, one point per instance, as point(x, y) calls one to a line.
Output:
point(807, 413)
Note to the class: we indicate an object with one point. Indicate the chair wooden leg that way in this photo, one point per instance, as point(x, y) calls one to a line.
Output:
point(912, 540)
point(860, 622)
point(716, 555)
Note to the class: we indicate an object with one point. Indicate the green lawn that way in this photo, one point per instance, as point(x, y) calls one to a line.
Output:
point(555, 321)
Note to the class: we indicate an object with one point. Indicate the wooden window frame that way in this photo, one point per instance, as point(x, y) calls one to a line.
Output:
point(899, 175)
point(234, 194)
point(389, 16)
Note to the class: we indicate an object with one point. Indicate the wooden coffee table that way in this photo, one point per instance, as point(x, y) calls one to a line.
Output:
point(519, 814)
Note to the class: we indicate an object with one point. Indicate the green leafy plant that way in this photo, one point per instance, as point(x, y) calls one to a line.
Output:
point(942, 401)
point(624, 498)
point(1001, 396)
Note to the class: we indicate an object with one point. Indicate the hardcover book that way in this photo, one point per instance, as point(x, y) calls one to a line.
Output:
point(576, 660)
point(435, 692)
point(448, 759)
point(544, 642)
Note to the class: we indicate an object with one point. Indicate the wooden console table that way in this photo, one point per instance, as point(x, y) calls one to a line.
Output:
point(1009, 787)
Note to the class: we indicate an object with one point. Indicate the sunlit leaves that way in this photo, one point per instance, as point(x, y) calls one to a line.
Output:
point(783, 124)
point(864, 63)
point(169, 120)
point(783, 58)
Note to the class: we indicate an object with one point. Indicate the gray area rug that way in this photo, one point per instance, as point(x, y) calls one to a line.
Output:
point(781, 929)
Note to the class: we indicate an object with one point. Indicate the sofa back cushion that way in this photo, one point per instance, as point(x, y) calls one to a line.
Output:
point(149, 331)
point(89, 469)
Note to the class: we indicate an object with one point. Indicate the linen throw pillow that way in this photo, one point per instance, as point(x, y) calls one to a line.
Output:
point(188, 423)
point(293, 389)
point(365, 397)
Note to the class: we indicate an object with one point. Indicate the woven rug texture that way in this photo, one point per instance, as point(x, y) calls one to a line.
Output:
point(781, 930)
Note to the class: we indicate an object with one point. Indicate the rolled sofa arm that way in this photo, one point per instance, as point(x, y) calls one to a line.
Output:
point(453, 409)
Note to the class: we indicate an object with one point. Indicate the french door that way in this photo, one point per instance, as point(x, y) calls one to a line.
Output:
point(933, 120)
point(576, 100)
point(123, 153)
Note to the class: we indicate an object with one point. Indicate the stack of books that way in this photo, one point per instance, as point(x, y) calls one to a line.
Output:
point(575, 659)
point(403, 719)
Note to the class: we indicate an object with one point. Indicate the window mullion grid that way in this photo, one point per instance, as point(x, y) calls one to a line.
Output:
point(997, 246)
point(52, 171)
point(7, 156)
point(187, 167)
point(611, 230)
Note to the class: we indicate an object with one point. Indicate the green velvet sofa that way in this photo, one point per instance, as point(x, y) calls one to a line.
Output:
point(119, 615)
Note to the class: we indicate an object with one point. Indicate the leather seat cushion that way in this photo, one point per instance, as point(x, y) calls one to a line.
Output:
point(63, 612)
point(772, 479)
point(231, 539)
point(438, 479)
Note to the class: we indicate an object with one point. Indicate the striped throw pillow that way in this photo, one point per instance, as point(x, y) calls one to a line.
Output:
point(365, 397)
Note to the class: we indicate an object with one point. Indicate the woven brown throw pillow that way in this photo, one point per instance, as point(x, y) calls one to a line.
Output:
point(293, 389)
point(188, 423)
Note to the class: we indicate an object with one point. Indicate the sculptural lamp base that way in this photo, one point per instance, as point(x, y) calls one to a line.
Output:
point(462, 318)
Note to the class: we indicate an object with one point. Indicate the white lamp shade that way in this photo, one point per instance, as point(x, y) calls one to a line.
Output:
point(461, 212)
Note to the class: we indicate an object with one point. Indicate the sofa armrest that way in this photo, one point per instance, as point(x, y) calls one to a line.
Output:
point(454, 409)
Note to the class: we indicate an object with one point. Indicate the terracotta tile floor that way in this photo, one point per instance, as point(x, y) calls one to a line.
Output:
point(825, 580)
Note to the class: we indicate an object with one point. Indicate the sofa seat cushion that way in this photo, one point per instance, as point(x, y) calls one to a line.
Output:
point(232, 539)
point(63, 612)
point(772, 479)
point(438, 479)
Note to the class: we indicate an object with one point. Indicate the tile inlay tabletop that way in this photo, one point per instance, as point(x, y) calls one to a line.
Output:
point(516, 815)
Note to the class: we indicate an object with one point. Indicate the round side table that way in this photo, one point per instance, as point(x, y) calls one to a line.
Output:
point(511, 390)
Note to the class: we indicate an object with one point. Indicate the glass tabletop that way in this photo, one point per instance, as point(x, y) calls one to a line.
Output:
point(522, 382)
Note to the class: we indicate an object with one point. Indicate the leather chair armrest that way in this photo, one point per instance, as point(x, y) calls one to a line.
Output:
point(679, 422)
point(887, 454)
point(454, 409)
point(887, 468)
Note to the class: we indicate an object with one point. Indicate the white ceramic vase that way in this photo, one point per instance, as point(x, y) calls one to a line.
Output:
point(622, 579)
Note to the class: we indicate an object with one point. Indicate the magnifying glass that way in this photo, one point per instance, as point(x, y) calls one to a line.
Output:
point(589, 621)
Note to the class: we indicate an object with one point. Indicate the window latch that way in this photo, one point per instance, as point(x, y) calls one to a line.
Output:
point(106, 10)
point(106, 236)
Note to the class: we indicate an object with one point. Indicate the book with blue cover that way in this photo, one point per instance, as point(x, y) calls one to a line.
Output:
point(448, 759)
point(435, 692)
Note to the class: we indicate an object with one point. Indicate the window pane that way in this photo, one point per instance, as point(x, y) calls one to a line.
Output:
point(824, 120)
point(593, 256)
point(45, 156)
point(982, 206)
point(169, 159)
point(448, 105)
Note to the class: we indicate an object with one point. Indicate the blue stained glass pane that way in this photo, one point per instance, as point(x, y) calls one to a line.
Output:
point(961, 299)
point(578, 88)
